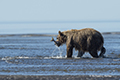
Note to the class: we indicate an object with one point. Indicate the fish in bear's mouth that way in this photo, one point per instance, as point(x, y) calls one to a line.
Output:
point(56, 42)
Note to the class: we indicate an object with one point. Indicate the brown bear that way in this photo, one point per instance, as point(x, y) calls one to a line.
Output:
point(83, 40)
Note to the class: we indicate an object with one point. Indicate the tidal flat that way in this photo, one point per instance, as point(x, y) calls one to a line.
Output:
point(35, 55)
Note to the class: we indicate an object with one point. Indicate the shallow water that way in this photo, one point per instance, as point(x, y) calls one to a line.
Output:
point(36, 55)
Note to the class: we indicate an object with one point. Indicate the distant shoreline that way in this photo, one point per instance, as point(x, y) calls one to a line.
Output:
point(45, 34)
point(111, 33)
point(27, 35)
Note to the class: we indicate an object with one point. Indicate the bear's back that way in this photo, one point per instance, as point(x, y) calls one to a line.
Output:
point(82, 32)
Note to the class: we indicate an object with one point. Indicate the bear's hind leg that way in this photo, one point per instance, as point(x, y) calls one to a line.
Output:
point(94, 54)
point(103, 50)
point(69, 52)
point(80, 53)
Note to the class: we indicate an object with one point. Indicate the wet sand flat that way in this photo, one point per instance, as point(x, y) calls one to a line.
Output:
point(34, 57)
point(58, 77)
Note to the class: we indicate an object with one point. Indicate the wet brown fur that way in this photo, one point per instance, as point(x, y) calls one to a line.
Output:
point(83, 40)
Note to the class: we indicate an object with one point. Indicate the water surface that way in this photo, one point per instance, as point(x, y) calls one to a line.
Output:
point(36, 55)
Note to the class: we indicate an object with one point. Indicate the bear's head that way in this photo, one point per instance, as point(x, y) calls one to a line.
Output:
point(61, 39)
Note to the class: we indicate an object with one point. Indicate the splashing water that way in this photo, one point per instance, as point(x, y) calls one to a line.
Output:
point(57, 52)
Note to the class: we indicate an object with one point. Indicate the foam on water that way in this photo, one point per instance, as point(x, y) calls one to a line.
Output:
point(17, 57)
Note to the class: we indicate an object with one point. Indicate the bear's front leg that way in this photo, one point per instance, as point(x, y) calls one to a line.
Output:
point(69, 51)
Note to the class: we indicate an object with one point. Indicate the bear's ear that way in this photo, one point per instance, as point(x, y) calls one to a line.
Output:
point(60, 33)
